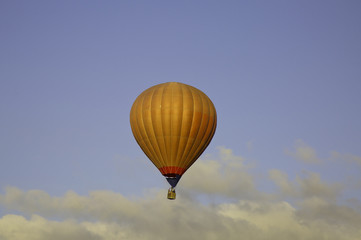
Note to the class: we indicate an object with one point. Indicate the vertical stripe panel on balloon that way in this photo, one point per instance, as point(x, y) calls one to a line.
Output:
point(134, 118)
point(210, 129)
point(157, 124)
point(193, 153)
point(177, 115)
point(148, 125)
point(166, 120)
point(141, 133)
point(195, 127)
point(187, 119)
point(161, 123)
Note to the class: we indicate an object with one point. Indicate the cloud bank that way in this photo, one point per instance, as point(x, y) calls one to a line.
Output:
point(303, 207)
point(302, 152)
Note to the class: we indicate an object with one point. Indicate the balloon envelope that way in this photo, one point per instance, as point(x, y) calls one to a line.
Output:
point(173, 123)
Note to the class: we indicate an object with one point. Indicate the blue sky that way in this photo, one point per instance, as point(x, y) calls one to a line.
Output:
point(285, 77)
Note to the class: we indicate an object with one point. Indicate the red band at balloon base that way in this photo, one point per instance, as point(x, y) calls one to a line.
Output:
point(172, 171)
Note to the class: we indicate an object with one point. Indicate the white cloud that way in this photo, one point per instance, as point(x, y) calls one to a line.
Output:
point(350, 158)
point(302, 152)
point(315, 212)
point(281, 180)
point(282, 221)
point(321, 210)
point(15, 227)
point(305, 185)
point(158, 218)
point(225, 175)
point(311, 185)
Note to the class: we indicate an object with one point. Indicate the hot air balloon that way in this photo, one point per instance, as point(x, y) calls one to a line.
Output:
point(173, 123)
